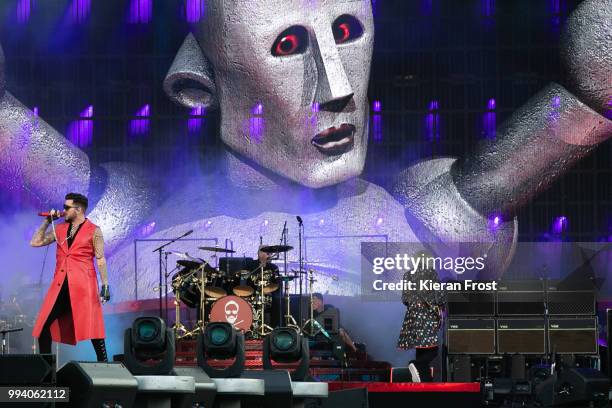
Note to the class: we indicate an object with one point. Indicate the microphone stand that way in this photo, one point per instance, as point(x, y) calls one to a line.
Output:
point(283, 241)
point(301, 267)
point(161, 273)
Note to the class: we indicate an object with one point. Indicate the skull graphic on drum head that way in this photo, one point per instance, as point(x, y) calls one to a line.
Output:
point(231, 311)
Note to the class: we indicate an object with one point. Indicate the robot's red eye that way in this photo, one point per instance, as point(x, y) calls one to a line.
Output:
point(293, 40)
point(346, 28)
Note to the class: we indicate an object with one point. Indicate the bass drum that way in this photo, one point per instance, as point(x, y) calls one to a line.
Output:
point(233, 310)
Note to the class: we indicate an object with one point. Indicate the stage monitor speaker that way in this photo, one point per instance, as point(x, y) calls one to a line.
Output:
point(27, 369)
point(277, 385)
point(205, 389)
point(353, 398)
point(95, 384)
point(573, 336)
point(471, 303)
point(520, 298)
point(523, 336)
point(575, 387)
point(574, 299)
point(471, 336)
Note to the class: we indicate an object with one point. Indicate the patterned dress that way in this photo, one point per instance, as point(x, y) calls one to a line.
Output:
point(424, 314)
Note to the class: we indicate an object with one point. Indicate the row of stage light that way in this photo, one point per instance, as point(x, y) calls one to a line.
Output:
point(145, 374)
point(149, 349)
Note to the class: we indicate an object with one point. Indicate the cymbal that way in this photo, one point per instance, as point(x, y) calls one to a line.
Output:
point(217, 249)
point(286, 278)
point(273, 249)
point(190, 263)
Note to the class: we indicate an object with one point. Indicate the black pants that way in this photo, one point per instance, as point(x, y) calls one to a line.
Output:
point(62, 305)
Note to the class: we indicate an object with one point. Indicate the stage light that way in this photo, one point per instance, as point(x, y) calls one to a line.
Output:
point(221, 341)
point(149, 347)
point(23, 11)
point(286, 345)
point(80, 132)
point(559, 225)
point(140, 125)
point(194, 10)
point(432, 121)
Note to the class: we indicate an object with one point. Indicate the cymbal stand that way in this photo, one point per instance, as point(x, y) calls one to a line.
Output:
point(179, 328)
point(263, 329)
point(314, 327)
point(289, 320)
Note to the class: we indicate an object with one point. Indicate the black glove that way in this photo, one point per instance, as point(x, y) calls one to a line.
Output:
point(105, 293)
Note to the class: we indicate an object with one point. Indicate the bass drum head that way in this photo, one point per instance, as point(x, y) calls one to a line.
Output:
point(233, 310)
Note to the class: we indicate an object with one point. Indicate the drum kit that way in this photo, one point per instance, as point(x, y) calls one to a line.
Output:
point(239, 292)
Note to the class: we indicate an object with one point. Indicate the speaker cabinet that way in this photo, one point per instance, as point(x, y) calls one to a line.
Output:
point(96, 384)
point(575, 299)
point(520, 298)
point(523, 336)
point(471, 336)
point(573, 336)
point(27, 369)
point(471, 304)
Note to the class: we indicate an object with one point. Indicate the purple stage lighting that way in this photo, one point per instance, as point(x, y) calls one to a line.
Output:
point(315, 107)
point(488, 8)
point(608, 112)
point(79, 10)
point(489, 120)
point(376, 106)
point(196, 117)
point(140, 125)
point(24, 7)
point(257, 124)
point(35, 110)
point(194, 10)
point(80, 132)
point(495, 221)
point(559, 225)
point(147, 229)
point(141, 11)
point(432, 122)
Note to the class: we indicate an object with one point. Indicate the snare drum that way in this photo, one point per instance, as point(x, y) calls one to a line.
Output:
point(234, 310)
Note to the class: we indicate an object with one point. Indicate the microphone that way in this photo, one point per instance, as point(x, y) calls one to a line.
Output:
point(299, 219)
point(187, 233)
point(48, 214)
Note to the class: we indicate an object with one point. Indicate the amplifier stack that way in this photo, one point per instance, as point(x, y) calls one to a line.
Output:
point(532, 317)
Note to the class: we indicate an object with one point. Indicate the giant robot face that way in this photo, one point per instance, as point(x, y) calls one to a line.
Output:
point(290, 78)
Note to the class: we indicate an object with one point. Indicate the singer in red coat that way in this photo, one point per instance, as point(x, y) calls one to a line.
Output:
point(72, 310)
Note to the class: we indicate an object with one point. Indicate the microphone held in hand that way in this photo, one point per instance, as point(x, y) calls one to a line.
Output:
point(48, 214)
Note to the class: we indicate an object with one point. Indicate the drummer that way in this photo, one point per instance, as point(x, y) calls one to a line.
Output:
point(263, 259)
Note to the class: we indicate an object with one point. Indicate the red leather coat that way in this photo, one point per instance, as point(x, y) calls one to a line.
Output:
point(84, 320)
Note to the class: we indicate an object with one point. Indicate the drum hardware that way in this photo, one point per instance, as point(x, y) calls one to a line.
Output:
point(274, 249)
point(217, 249)
point(263, 329)
point(289, 320)
point(161, 267)
point(314, 328)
